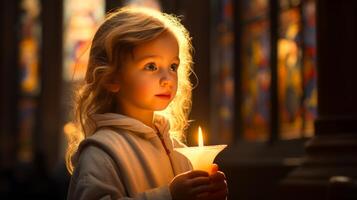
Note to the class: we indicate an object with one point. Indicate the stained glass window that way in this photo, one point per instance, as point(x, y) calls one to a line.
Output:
point(222, 71)
point(30, 41)
point(255, 70)
point(296, 69)
point(290, 89)
point(81, 19)
point(309, 71)
point(29, 57)
point(253, 9)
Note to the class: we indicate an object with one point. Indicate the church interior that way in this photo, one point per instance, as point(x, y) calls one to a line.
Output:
point(273, 80)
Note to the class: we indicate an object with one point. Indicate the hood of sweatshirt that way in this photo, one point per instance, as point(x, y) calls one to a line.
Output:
point(133, 125)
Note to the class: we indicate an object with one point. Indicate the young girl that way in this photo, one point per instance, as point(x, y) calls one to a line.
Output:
point(132, 107)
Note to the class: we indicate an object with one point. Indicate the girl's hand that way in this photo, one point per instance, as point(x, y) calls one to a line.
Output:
point(190, 185)
point(218, 188)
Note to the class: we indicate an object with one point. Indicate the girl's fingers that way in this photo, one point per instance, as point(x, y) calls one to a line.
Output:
point(199, 181)
point(218, 186)
point(218, 176)
point(211, 188)
point(219, 195)
point(213, 191)
point(201, 189)
point(214, 168)
point(197, 173)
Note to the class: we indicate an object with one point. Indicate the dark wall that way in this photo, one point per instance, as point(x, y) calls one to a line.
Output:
point(8, 78)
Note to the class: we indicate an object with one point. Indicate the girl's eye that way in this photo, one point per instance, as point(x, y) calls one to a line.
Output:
point(150, 67)
point(174, 67)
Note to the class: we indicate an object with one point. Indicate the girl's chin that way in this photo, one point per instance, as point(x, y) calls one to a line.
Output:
point(161, 108)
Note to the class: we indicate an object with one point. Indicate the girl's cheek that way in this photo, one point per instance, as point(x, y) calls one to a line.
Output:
point(143, 88)
point(137, 80)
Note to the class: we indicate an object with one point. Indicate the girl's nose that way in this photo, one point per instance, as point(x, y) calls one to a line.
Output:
point(166, 79)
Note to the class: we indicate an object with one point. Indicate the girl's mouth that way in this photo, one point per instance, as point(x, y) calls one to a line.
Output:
point(164, 96)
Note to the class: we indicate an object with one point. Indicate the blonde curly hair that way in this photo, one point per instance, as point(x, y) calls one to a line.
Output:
point(121, 31)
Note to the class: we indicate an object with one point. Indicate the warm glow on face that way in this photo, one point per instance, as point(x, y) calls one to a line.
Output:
point(200, 137)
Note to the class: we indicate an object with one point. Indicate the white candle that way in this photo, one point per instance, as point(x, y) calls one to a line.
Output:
point(201, 157)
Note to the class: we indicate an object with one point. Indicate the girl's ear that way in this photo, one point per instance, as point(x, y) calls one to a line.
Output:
point(111, 84)
point(112, 87)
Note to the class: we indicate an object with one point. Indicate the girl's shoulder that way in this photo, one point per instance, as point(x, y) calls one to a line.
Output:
point(105, 135)
point(106, 139)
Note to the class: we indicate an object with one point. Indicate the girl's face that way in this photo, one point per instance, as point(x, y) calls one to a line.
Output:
point(148, 80)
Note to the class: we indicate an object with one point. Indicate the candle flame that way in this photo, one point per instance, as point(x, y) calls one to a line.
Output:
point(200, 137)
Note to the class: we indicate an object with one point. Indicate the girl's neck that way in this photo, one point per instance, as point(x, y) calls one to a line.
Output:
point(145, 117)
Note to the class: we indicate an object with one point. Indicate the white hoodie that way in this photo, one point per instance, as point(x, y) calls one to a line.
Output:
point(125, 159)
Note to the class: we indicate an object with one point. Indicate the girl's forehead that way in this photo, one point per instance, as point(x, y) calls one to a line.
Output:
point(164, 46)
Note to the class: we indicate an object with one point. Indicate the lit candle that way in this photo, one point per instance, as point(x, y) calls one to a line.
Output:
point(201, 157)
point(200, 137)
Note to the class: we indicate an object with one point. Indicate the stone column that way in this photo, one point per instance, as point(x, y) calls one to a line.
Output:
point(333, 150)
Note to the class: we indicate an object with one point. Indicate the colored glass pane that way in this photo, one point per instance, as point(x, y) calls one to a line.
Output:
point(81, 19)
point(222, 71)
point(254, 9)
point(290, 91)
point(256, 80)
point(29, 49)
point(309, 70)
point(29, 76)
point(286, 4)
